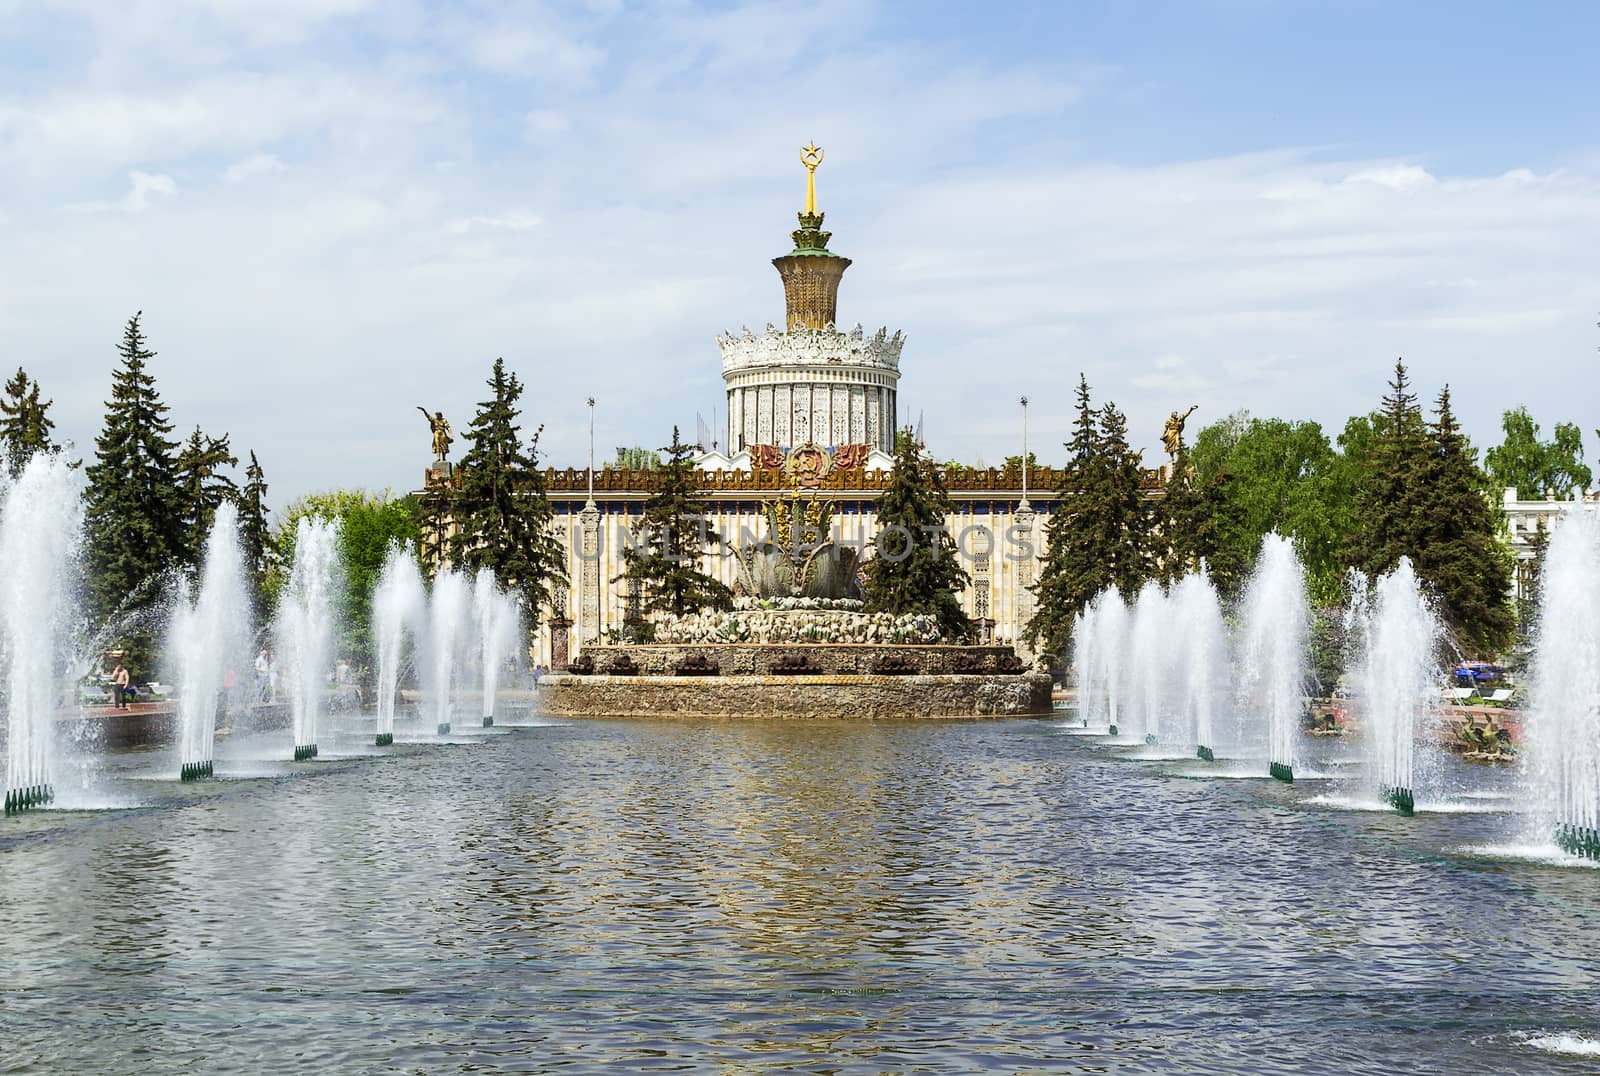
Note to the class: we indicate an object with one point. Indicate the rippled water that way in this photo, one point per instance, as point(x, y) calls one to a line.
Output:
point(783, 896)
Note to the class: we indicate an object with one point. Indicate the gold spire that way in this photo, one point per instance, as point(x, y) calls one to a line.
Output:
point(811, 156)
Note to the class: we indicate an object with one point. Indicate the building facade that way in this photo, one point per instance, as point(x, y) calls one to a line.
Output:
point(1529, 523)
point(812, 414)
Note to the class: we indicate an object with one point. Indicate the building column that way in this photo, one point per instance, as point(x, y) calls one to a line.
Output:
point(589, 573)
point(1023, 524)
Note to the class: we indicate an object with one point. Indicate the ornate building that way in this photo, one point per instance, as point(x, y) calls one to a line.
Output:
point(812, 415)
point(809, 383)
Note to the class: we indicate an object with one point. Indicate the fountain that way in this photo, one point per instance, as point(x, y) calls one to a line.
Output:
point(498, 621)
point(1084, 655)
point(207, 636)
point(447, 617)
point(1393, 638)
point(1202, 648)
point(305, 624)
point(399, 604)
point(1564, 720)
point(1111, 618)
point(1273, 654)
point(39, 531)
point(1149, 652)
point(1099, 638)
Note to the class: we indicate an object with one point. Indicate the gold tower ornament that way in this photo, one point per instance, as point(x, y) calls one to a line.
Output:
point(811, 271)
point(811, 157)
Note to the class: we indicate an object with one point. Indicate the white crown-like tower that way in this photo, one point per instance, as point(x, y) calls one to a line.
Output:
point(809, 383)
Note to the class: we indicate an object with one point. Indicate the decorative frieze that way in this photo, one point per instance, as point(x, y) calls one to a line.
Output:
point(811, 347)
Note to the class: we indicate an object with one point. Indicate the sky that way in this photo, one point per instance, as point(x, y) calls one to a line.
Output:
point(334, 211)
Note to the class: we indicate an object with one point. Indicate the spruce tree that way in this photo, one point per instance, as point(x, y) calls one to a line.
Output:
point(664, 560)
point(1129, 522)
point(914, 568)
point(502, 511)
point(1457, 548)
point(1391, 500)
point(255, 534)
point(203, 487)
point(25, 423)
point(134, 518)
point(1102, 530)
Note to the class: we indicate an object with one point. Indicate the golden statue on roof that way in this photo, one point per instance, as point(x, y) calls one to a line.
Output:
point(811, 157)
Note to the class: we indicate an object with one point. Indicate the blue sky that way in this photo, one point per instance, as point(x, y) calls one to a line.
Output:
point(333, 210)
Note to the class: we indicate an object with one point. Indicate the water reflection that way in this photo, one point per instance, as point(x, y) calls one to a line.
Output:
point(822, 896)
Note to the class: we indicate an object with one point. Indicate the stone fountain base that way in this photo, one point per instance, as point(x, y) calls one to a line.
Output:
point(824, 680)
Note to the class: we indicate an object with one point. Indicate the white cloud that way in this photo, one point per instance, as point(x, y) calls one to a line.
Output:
point(401, 253)
point(513, 220)
point(1396, 177)
point(257, 164)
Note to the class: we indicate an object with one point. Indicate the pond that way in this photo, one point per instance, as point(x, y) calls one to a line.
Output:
point(787, 895)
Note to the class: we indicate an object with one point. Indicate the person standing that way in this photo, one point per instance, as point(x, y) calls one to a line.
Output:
point(119, 686)
point(263, 676)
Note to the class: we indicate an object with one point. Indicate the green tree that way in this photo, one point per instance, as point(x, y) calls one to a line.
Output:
point(636, 459)
point(1391, 500)
point(914, 568)
point(1263, 475)
point(255, 534)
point(671, 539)
point(368, 522)
point(1538, 469)
point(134, 520)
point(1102, 532)
point(1199, 523)
point(203, 487)
point(1457, 548)
point(25, 423)
point(503, 517)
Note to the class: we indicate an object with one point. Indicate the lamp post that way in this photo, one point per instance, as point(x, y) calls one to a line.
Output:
point(1024, 506)
point(590, 503)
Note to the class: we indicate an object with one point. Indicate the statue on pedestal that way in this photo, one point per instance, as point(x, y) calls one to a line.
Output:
point(1172, 432)
point(441, 433)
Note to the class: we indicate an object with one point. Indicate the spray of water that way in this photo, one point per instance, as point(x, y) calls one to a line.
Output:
point(1085, 627)
point(498, 627)
point(1149, 663)
point(305, 627)
point(1563, 733)
point(39, 534)
point(1273, 656)
point(1201, 645)
point(1393, 636)
point(399, 606)
point(207, 636)
point(448, 614)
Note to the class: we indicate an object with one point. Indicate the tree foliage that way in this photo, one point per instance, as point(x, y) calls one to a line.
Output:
point(1264, 475)
point(636, 459)
point(1457, 546)
point(502, 512)
point(914, 568)
point(255, 535)
point(134, 513)
point(368, 523)
point(1391, 497)
point(1102, 532)
point(25, 423)
point(1538, 469)
point(203, 487)
point(664, 560)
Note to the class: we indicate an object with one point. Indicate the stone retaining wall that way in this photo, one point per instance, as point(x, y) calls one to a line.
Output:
point(822, 697)
point(838, 659)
